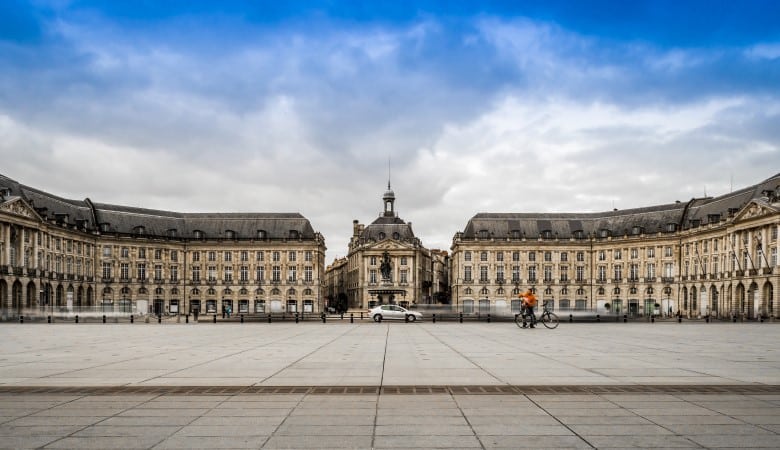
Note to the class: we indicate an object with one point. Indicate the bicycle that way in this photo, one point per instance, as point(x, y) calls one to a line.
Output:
point(548, 318)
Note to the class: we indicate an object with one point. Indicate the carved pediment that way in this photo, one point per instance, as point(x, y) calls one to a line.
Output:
point(755, 210)
point(18, 207)
point(389, 245)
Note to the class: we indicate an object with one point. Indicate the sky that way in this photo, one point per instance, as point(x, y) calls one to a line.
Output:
point(468, 107)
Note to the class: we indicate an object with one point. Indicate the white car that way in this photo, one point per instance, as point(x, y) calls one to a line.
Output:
point(385, 312)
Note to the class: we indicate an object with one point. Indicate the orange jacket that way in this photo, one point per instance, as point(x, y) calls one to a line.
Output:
point(530, 299)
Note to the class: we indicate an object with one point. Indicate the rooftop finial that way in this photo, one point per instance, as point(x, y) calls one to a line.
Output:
point(388, 173)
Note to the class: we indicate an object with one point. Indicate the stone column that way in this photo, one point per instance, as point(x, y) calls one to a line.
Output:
point(6, 244)
point(36, 263)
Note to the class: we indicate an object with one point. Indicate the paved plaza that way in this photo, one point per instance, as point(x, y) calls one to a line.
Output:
point(389, 385)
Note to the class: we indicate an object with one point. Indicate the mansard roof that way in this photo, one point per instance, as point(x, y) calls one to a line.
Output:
point(619, 222)
point(130, 220)
point(387, 226)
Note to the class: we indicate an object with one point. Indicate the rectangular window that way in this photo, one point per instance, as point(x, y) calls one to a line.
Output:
point(668, 270)
point(547, 256)
point(276, 256)
point(500, 256)
point(195, 256)
point(260, 256)
point(212, 275)
point(515, 274)
point(668, 252)
point(291, 256)
point(174, 273)
point(228, 256)
point(773, 260)
point(141, 253)
point(580, 305)
point(602, 255)
point(580, 273)
point(467, 256)
point(228, 273)
point(212, 256)
point(651, 271)
point(618, 254)
point(158, 272)
point(372, 276)
point(372, 261)
point(308, 256)
point(500, 272)
point(548, 274)
point(580, 256)
point(483, 256)
point(403, 260)
point(602, 273)
point(532, 274)
point(141, 271)
point(308, 274)
point(244, 256)
point(125, 252)
point(634, 272)
point(467, 273)
point(276, 273)
point(531, 256)
point(174, 255)
point(483, 274)
point(260, 273)
point(106, 269)
point(564, 257)
point(157, 253)
point(634, 253)
point(515, 256)
point(244, 273)
point(651, 252)
point(404, 274)
point(564, 273)
point(106, 251)
point(196, 273)
point(292, 274)
point(618, 272)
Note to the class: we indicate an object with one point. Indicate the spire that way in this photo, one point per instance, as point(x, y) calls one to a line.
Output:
point(389, 197)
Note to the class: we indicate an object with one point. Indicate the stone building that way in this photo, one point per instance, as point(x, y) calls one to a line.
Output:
point(63, 255)
point(386, 263)
point(714, 256)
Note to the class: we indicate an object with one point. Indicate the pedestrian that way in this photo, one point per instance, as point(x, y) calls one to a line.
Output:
point(529, 302)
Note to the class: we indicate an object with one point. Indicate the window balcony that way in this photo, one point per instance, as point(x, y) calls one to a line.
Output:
point(650, 279)
point(563, 281)
point(767, 270)
point(601, 281)
point(753, 272)
point(667, 280)
point(739, 273)
point(107, 280)
point(617, 280)
point(633, 279)
point(159, 281)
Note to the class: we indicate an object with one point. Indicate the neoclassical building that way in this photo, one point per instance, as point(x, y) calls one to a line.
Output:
point(386, 263)
point(63, 255)
point(715, 256)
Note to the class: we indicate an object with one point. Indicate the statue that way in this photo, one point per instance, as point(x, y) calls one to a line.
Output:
point(385, 268)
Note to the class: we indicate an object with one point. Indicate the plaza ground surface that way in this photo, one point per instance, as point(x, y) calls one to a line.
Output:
point(389, 385)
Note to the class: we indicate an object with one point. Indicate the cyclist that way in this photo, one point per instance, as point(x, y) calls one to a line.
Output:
point(529, 302)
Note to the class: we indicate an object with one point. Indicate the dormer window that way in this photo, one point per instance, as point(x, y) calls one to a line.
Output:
point(713, 218)
point(261, 234)
point(603, 233)
point(483, 234)
point(396, 236)
point(230, 234)
point(579, 234)
point(636, 230)
point(198, 234)
point(105, 227)
point(695, 223)
point(293, 234)
point(381, 235)
point(547, 234)
point(172, 233)
point(138, 231)
point(516, 234)
point(671, 227)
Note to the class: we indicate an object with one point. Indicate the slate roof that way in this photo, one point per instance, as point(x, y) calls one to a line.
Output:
point(388, 225)
point(126, 219)
point(649, 220)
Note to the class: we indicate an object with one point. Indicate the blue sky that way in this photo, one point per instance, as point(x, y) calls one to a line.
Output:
point(481, 106)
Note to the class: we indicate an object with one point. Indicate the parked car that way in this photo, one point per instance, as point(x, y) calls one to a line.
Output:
point(385, 312)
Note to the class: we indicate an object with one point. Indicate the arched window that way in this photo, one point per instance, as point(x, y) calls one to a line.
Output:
point(227, 291)
point(159, 291)
point(230, 234)
point(548, 291)
point(293, 234)
point(580, 291)
point(139, 230)
point(261, 234)
point(616, 291)
point(259, 291)
point(484, 291)
point(600, 291)
point(243, 291)
point(381, 235)
point(195, 291)
point(291, 291)
point(143, 291)
point(199, 234)
point(276, 291)
point(307, 291)
point(174, 291)
point(212, 292)
point(396, 236)
point(467, 291)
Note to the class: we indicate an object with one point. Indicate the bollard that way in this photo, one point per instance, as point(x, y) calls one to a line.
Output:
point(625, 318)
point(460, 317)
point(679, 319)
point(434, 318)
point(598, 318)
point(296, 317)
point(48, 319)
point(21, 319)
point(77, 318)
point(361, 315)
point(215, 318)
point(707, 319)
point(571, 318)
point(761, 319)
point(131, 318)
point(186, 318)
point(488, 319)
point(342, 316)
point(104, 318)
point(351, 317)
point(269, 317)
point(652, 319)
point(242, 318)
point(323, 316)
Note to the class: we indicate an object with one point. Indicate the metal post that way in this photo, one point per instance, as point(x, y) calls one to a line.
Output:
point(131, 318)
point(104, 318)
point(460, 317)
point(186, 318)
point(488, 319)
point(48, 319)
point(571, 318)
point(598, 318)
point(652, 319)
point(434, 318)
point(323, 316)
point(242, 318)
point(296, 317)
point(625, 318)
point(351, 317)
point(21, 319)
point(77, 318)
point(215, 318)
point(269, 317)
point(159, 318)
